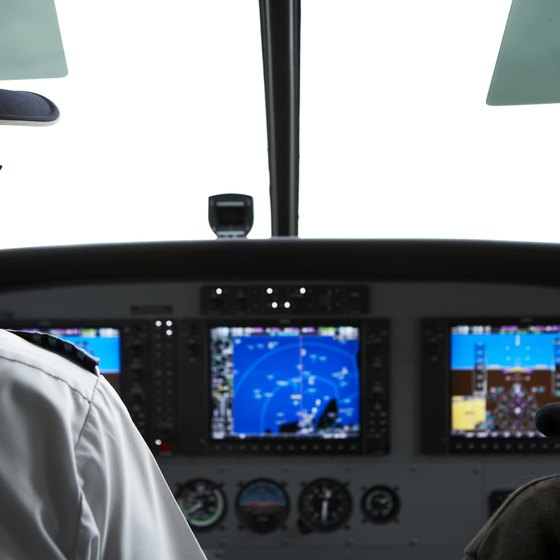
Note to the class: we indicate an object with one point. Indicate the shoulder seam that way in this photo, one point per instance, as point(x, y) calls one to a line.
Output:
point(90, 402)
point(53, 376)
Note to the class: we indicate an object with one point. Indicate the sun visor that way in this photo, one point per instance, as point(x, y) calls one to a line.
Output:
point(528, 66)
point(30, 41)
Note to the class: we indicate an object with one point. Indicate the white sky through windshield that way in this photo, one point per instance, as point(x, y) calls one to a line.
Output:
point(163, 106)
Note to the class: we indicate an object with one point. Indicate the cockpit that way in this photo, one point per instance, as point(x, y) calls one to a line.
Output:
point(314, 246)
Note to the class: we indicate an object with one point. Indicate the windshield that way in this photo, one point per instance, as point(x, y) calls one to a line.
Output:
point(163, 106)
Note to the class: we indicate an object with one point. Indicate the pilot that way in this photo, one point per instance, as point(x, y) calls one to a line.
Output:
point(525, 527)
point(77, 480)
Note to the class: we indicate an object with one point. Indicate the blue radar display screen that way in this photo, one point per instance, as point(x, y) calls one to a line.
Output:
point(501, 374)
point(282, 382)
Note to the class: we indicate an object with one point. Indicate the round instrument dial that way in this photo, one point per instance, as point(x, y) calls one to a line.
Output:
point(380, 504)
point(325, 505)
point(202, 502)
point(262, 505)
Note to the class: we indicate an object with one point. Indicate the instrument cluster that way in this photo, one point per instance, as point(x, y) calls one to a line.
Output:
point(262, 505)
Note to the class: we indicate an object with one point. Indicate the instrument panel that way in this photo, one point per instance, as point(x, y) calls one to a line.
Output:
point(304, 490)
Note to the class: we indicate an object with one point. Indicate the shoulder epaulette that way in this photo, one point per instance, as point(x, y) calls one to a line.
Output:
point(61, 347)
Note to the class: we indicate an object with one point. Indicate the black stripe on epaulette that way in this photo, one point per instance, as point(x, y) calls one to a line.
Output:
point(61, 347)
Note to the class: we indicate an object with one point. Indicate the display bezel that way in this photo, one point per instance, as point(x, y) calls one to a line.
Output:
point(437, 435)
point(194, 424)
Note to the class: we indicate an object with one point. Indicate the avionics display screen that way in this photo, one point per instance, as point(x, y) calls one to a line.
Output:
point(500, 375)
point(282, 382)
point(101, 342)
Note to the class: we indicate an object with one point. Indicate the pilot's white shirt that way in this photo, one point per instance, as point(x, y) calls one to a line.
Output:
point(77, 480)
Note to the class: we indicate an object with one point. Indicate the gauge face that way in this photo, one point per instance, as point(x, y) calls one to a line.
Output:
point(263, 505)
point(202, 502)
point(381, 504)
point(325, 505)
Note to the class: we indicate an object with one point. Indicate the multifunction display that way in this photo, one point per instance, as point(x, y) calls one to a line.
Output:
point(285, 382)
point(285, 387)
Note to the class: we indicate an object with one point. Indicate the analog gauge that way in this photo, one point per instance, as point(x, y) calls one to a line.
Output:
point(381, 504)
point(324, 505)
point(202, 502)
point(262, 505)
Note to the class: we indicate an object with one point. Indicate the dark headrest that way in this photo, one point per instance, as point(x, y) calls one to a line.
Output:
point(26, 108)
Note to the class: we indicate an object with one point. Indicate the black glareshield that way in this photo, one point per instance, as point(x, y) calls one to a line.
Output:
point(230, 215)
